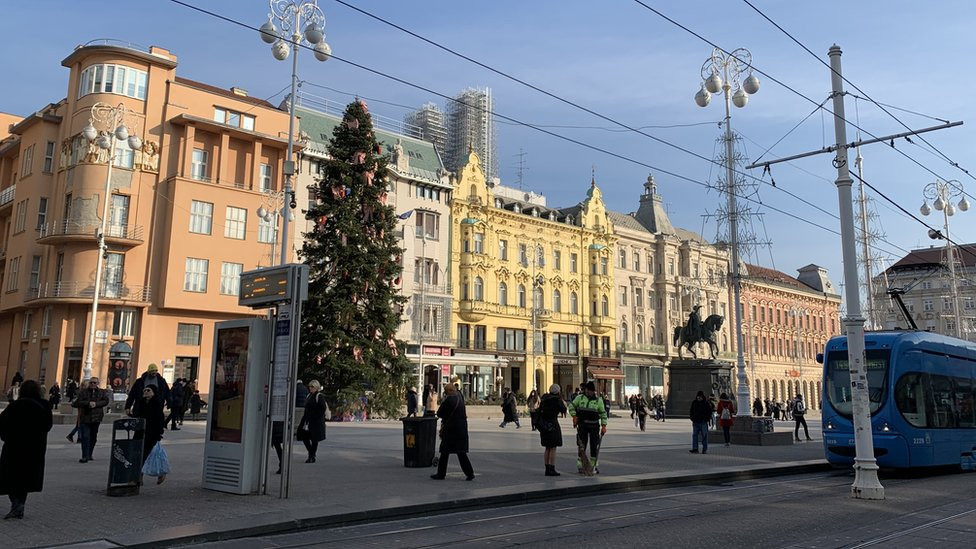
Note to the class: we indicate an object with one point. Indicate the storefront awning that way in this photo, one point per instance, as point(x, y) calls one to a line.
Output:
point(605, 373)
point(640, 361)
point(488, 360)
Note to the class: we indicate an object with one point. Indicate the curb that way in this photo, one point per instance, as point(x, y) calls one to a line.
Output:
point(280, 522)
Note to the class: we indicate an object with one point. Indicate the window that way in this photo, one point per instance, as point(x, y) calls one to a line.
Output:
point(199, 168)
point(557, 301)
point(503, 250)
point(21, 220)
point(537, 299)
point(49, 157)
point(122, 155)
point(113, 79)
point(230, 278)
point(672, 301)
point(25, 328)
point(521, 295)
point(540, 256)
point(114, 267)
point(623, 259)
point(266, 229)
point(46, 322)
point(41, 213)
point(557, 260)
point(637, 261)
point(523, 255)
point(638, 297)
point(34, 282)
point(428, 225)
point(425, 271)
point(188, 334)
point(247, 122)
point(623, 295)
point(13, 268)
point(624, 334)
point(502, 293)
point(479, 289)
point(123, 324)
point(639, 334)
point(510, 340)
point(59, 269)
point(565, 344)
point(266, 176)
point(235, 224)
point(220, 115)
point(479, 243)
point(670, 266)
point(573, 262)
point(27, 161)
point(604, 265)
point(233, 118)
point(573, 303)
point(605, 306)
point(201, 217)
point(119, 215)
point(195, 277)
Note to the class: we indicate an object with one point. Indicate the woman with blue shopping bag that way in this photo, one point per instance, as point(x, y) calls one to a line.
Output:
point(155, 463)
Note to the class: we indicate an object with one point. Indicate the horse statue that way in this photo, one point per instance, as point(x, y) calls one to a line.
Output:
point(686, 336)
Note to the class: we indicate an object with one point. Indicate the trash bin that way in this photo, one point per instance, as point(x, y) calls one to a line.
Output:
point(419, 438)
point(125, 463)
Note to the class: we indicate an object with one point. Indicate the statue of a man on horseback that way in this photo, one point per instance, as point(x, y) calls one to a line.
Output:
point(697, 330)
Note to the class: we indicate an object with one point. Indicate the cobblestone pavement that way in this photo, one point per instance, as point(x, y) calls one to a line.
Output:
point(359, 467)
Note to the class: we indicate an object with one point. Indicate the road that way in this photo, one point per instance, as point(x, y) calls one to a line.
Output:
point(808, 511)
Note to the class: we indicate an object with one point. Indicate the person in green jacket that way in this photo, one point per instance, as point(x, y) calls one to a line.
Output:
point(590, 419)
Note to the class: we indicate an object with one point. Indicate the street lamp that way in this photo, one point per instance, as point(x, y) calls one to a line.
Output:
point(721, 72)
point(112, 118)
point(289, 14)
point(275, 202)
point(798, 313)
point(942, 193)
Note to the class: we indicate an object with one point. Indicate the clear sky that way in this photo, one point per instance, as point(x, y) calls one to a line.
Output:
point(614, 57)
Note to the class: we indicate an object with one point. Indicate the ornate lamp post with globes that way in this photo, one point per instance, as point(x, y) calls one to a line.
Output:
point(720, 73)
point(290, 15)
point(114, 119)
point(942, 193)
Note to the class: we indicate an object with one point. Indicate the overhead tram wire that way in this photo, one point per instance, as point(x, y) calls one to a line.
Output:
point(869, 98)
point(518, 122)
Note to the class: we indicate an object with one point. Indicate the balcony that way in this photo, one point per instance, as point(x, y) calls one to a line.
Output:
point(66, 231)
point(431, 289)
point(472, 311)
point(7, 195)
point(649, 348)
point(84, 291)
point(601, 324)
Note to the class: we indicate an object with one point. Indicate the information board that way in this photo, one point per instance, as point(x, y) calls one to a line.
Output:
point(263, 286)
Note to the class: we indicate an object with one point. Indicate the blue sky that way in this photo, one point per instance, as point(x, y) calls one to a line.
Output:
point(616, 58)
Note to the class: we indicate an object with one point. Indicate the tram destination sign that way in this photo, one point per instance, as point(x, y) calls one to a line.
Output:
point(264, 286)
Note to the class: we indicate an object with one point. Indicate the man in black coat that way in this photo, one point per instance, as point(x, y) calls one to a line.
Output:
point(151, 377)
point(509, 409)
point(24, 425)
point(176, 403)
point(91, 403)
point(454, 433)
point(700, 414)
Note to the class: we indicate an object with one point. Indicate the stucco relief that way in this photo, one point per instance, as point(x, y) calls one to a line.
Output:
point(147, 158)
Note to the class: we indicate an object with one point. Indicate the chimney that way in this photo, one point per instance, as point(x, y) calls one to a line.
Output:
point(239, 91)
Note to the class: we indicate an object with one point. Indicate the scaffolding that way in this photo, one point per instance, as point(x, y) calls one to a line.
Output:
point(470, 126)
point(430, 119)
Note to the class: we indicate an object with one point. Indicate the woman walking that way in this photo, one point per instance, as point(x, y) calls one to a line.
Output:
point(533, 403)
point(640, 408)
point(150, 408)
point(454, 433)
point(726, 413)
point(551, 406)
point(311, 429)
point(24, 425)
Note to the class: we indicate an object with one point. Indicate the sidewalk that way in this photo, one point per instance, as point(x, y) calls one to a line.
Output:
point(359, 476)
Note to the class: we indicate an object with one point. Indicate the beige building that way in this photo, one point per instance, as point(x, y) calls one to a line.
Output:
point(787, 321)
point(181, 224)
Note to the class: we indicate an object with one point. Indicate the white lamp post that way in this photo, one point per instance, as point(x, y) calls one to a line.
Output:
point(721, 73)
point(942, 193)
point(276, 201)
point(112, 118)
point(290, 14)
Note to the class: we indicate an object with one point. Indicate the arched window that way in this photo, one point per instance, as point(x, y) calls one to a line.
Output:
point(521, 295)
point(639, 334)
point(623, 258)
point(479, 289)
point(474, 191)
point(782, 390)
point(537, 300)
point(605, 306)
point(573, 303)
point(557, 301)
point(502, 293)
point(765, 391)
point(623, 333)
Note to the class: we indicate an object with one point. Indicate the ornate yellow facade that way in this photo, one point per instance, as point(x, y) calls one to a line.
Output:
point(526, 273)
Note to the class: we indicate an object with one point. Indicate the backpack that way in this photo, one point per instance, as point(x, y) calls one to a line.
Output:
point(725, 413)
point(799, 407)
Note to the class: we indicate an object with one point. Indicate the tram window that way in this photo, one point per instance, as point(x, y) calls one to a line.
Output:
point(942, 403)
point(964, 403)
point(910, 399)
point(839, 380)
point(935, 401)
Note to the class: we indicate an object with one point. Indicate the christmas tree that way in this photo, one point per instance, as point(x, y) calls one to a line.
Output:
point(350, 321)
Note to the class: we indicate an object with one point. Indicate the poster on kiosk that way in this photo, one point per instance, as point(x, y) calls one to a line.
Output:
point(235, 427)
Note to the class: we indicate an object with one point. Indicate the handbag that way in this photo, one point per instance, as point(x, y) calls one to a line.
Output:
point(302, 432)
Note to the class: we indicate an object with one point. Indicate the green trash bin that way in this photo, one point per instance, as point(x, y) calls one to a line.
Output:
point(419, 440)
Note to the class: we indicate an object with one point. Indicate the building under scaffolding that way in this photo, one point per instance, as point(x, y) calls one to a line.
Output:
point(430, 120)
point(470, 126)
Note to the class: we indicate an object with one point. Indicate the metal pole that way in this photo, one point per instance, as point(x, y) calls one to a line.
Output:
point(865, 242)
point(423, 310)
point(289, 164)
point(866, 484)
point(951, 256)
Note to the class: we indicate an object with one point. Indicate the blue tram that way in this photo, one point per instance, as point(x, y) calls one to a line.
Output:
point(922, 391)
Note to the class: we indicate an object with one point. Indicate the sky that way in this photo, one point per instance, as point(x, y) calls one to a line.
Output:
point(616, 58)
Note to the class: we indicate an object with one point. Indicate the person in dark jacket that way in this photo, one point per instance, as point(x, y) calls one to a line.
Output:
point(54, 395)
point(150, 377)
point(196, 404)
point(150, 408)
point(509, 409)
point(757, 407)
point(412, 402)
point(311, 428)
point(24, 425)
point(700, 414)
point(454, 433)
point(176, 402)
point(277, 439)
point(551, 406)
point(70, 390)
point(91, 403)
point(301, 393)
point(18, 378)
point(640, 407)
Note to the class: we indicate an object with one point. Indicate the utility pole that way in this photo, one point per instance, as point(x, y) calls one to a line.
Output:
point(862, 201)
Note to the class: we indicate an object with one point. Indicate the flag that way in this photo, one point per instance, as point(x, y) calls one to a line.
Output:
point(406, 214)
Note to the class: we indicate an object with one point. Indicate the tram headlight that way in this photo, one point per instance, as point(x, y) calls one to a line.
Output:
point(830, 425)
point(885, 428)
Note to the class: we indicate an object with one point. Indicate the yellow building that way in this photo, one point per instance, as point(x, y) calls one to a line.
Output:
point(533, 285)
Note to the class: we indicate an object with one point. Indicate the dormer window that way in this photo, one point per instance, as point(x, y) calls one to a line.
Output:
point(498, 202)
point(517, 209)
point(535, 212)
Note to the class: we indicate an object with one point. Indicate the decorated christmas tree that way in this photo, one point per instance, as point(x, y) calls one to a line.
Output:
point(350, 321)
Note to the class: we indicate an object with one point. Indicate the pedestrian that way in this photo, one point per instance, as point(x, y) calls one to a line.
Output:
point(189, 387)
point(533, 403)
point(430, 400)
point(196, 404)
point(712, 403)
point(150, 408)
point(757, 407)
point(24, 425)
point(150, 377)
point(799, 413)
point(776, 411)
point(509, 409)
point(632, 402)
point(301, 394)
point(175, 405)
point(551, 406)
point(311, 428)
point(769, 407)
point(453, 433)
point(91, 403)
point(640, 407)
point(590, 420)
point(412, 402)
point(54, 395)
point(277, 439)
point(17, 379)
point(700, 413)
point(70, 390)
point(13, 393)
point(726, 411)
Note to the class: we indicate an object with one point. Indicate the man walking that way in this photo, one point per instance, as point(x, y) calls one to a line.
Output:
point(509, 409)
point(590, 420)
point(91, 403)
point(700, 414)
point(177, 400)
point(799, 411)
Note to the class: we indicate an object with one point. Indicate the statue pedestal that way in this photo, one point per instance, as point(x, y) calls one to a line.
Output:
point(688, 376)
point(752, 431)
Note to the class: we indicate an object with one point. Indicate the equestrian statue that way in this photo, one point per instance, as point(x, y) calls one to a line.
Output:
point(696, 331)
